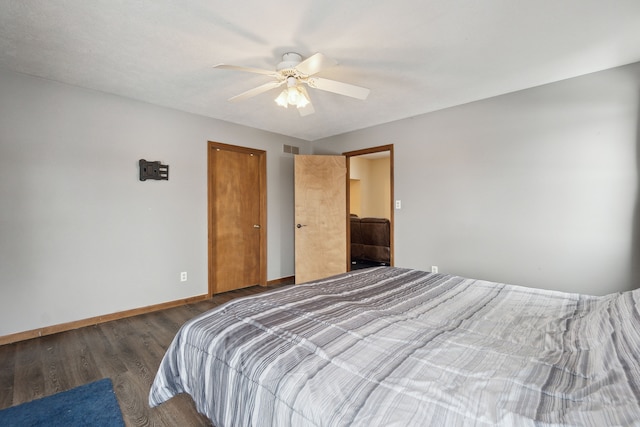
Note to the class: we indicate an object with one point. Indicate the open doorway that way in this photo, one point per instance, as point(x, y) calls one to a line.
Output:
point(370, 207)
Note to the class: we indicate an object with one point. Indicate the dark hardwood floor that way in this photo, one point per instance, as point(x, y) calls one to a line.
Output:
point(128, 351)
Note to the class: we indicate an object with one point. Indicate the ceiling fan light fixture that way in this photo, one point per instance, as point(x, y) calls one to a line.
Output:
point(303, 101)
point(281, 100)
point(292, 96)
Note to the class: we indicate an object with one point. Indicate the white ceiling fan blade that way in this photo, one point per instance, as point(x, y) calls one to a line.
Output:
point(247, 69)
point(306, 110)
point(339, 87)
point(315, 63)
point(257, 90)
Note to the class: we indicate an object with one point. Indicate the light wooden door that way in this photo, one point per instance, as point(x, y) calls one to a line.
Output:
point(320, 216)
point(237, 217)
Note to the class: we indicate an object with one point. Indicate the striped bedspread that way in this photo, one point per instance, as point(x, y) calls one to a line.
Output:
point(400, 347)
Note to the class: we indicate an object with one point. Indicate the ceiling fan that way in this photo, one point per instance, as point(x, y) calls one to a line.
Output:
point(293, 72)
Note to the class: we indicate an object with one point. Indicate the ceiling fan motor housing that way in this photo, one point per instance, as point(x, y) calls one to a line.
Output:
point(289, 61)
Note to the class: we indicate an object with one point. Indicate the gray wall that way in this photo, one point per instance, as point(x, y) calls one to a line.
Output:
point(80, 235)
point(536, 188)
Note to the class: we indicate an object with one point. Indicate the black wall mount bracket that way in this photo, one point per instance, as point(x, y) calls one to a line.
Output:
point(153, 170)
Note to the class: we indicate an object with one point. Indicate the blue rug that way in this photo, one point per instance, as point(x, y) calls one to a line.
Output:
point(92, 404)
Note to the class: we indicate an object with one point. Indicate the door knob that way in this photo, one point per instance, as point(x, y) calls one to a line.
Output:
point(301, 225)
point(256, 225)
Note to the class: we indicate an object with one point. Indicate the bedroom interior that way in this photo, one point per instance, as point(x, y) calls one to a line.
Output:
point(516, 135)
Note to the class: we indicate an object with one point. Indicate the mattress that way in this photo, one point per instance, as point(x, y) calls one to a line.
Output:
point(401, 347)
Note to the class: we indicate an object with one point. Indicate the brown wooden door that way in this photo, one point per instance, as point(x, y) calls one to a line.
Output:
point(321, 217)
point(237, 217)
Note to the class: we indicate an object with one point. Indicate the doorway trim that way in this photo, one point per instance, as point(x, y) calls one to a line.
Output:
point(371, 150)
point(262, 155)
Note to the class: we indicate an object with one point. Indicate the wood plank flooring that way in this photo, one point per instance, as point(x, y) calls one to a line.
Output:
point(128, 351)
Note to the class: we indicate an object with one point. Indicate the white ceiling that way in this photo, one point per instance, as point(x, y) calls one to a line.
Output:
point(416, 56)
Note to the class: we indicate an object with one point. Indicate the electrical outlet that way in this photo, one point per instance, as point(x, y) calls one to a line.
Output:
point(434, 268)
point(183, 276)
point(398, 204)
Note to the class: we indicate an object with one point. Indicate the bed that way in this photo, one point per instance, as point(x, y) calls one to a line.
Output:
point(391, 346)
